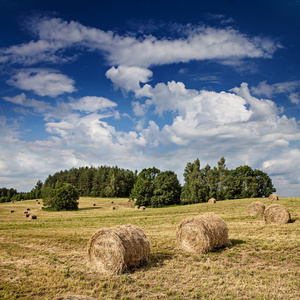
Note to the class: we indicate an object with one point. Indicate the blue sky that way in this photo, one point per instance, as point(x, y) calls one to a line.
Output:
point(149, 83)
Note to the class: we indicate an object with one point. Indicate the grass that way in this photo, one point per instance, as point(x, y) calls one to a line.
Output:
point(47, 258)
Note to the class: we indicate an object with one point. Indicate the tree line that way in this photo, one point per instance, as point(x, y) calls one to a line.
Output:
point(151, 187)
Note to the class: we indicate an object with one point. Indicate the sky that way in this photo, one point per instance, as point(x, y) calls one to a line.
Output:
point(149, 83)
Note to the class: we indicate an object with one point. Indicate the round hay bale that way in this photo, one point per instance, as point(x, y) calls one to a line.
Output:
point(212, 200)
point(116, 249)
point(276, 213)
point(33, 217)
point(202, 233)
point(273, 197)
point(256, 209)
point(136, 207)
point(142, 207)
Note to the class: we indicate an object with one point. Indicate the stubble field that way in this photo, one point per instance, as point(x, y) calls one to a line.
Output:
point(46, 258)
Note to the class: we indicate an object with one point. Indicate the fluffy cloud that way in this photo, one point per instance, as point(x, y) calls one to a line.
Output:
point(92, 104)
point(42, 82)
point(270, 90)
point(128, 78)
point(22, 100)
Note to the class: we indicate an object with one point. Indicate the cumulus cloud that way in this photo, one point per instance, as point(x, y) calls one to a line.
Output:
point(24, 101)
point(92, 104)
point(42, 82)
point(128, 78)
point(270, 90)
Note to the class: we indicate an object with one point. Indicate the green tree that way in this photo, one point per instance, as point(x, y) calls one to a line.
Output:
point(143, 188)
point(166, 189)
point(63, 197)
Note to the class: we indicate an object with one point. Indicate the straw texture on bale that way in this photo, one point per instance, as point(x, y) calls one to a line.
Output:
point(202, 233)
point(116, 249)
point(142, 207)
point(212, 200)
point(273, 197)
point(256, 209)
point(276, 213)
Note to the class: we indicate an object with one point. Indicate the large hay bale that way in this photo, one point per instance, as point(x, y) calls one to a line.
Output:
point(202, 233)
point(276, 213)
point(136, 207)
point(212, 200)
point(256, 209)
point(116, 249)
point(273, 197)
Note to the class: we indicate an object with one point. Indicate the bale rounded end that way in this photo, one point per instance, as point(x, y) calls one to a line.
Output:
point(273, 197)
point(277, 214)
point(202, 233)
point(113, 250)
point(212, 200)
point(256, 209)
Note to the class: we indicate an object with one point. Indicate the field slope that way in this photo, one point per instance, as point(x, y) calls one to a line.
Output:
point(46, 258)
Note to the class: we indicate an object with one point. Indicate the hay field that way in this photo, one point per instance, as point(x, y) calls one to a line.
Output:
point(46, 258)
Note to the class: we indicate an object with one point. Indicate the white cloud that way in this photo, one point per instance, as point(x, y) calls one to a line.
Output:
point(270, 90)
point(42, 82)
point(128, 78)
point(56, 35)
point(22, 100)
point(92, 104)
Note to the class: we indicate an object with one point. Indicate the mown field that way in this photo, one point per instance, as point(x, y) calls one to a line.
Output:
point(46, 258)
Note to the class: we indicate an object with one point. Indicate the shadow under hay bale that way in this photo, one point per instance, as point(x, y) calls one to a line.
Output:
point(114, 250)
point(113, 208)
point(28, 209)
point(212, 200)
point(12, 211)
point(256, 209)
point(94, 204)
point(273, 197)
point(202, 233)
point(27, 215)
point(276, 213)
point(33, 217)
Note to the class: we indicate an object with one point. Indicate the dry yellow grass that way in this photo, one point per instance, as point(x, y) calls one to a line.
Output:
point(46, 258)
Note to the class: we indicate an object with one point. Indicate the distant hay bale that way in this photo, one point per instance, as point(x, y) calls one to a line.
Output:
point(27, 215)
point(202, 233)
point(28, 209)
point(212, 200)
point(136, 207)
point(276, 213)
point(142, 207)
point(256, 209)
point(116, 249)
point(33, 217)
point(12, 211)
point(273, 197)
